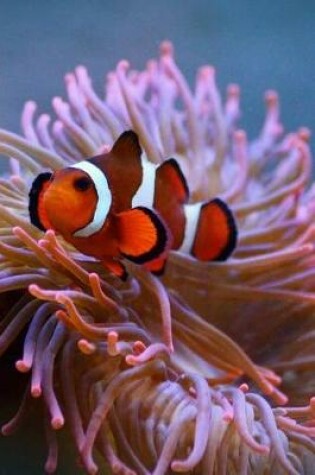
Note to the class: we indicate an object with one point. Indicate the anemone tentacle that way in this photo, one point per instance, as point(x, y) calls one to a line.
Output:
point(190, 373)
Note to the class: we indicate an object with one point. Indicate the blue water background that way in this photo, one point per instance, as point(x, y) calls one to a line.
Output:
point(259, 45)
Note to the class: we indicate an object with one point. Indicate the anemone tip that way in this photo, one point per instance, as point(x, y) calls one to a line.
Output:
point(166, 48)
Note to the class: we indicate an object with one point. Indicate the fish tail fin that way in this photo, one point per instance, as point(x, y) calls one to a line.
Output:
point(210, 231)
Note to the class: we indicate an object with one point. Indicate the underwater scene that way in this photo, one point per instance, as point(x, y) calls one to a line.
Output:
point(157, 245)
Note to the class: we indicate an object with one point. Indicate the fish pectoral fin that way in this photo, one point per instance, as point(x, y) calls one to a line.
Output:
point(142, 235)
point(116, 268)
point(156, 266)
point(171, 173)
point(36, 207)
point(216, 234)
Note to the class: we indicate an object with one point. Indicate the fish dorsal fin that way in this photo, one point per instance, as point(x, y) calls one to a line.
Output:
point(142, 235)
point(127, 146)
point(171, 173)
point(36, 208)
point(216, 234)
point(123, 169)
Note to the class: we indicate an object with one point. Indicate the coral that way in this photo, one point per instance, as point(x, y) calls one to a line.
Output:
point(191, 372)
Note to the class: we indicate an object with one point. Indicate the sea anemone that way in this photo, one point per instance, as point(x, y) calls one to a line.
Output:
point(191, 372)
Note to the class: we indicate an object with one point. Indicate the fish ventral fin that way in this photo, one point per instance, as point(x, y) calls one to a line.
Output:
point(156, 266)
point(127, 146)
point(171, 173)
point(36, 208)
point(117, 268)
point(142, 235)
point(216, 234)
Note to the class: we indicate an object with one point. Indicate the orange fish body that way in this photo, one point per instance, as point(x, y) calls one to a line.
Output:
point(119, 205)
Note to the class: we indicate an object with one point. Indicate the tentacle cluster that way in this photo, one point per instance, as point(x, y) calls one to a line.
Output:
point(170, 375)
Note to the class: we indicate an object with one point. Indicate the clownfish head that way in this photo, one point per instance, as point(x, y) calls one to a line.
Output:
point(70, 200)
point(74, 201)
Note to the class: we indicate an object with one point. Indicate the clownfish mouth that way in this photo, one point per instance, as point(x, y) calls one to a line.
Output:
point(36, 206)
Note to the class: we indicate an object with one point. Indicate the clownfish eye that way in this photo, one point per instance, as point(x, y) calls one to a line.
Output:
point(82, 184)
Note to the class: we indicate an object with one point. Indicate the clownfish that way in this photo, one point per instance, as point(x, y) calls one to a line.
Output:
point(118, 205)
